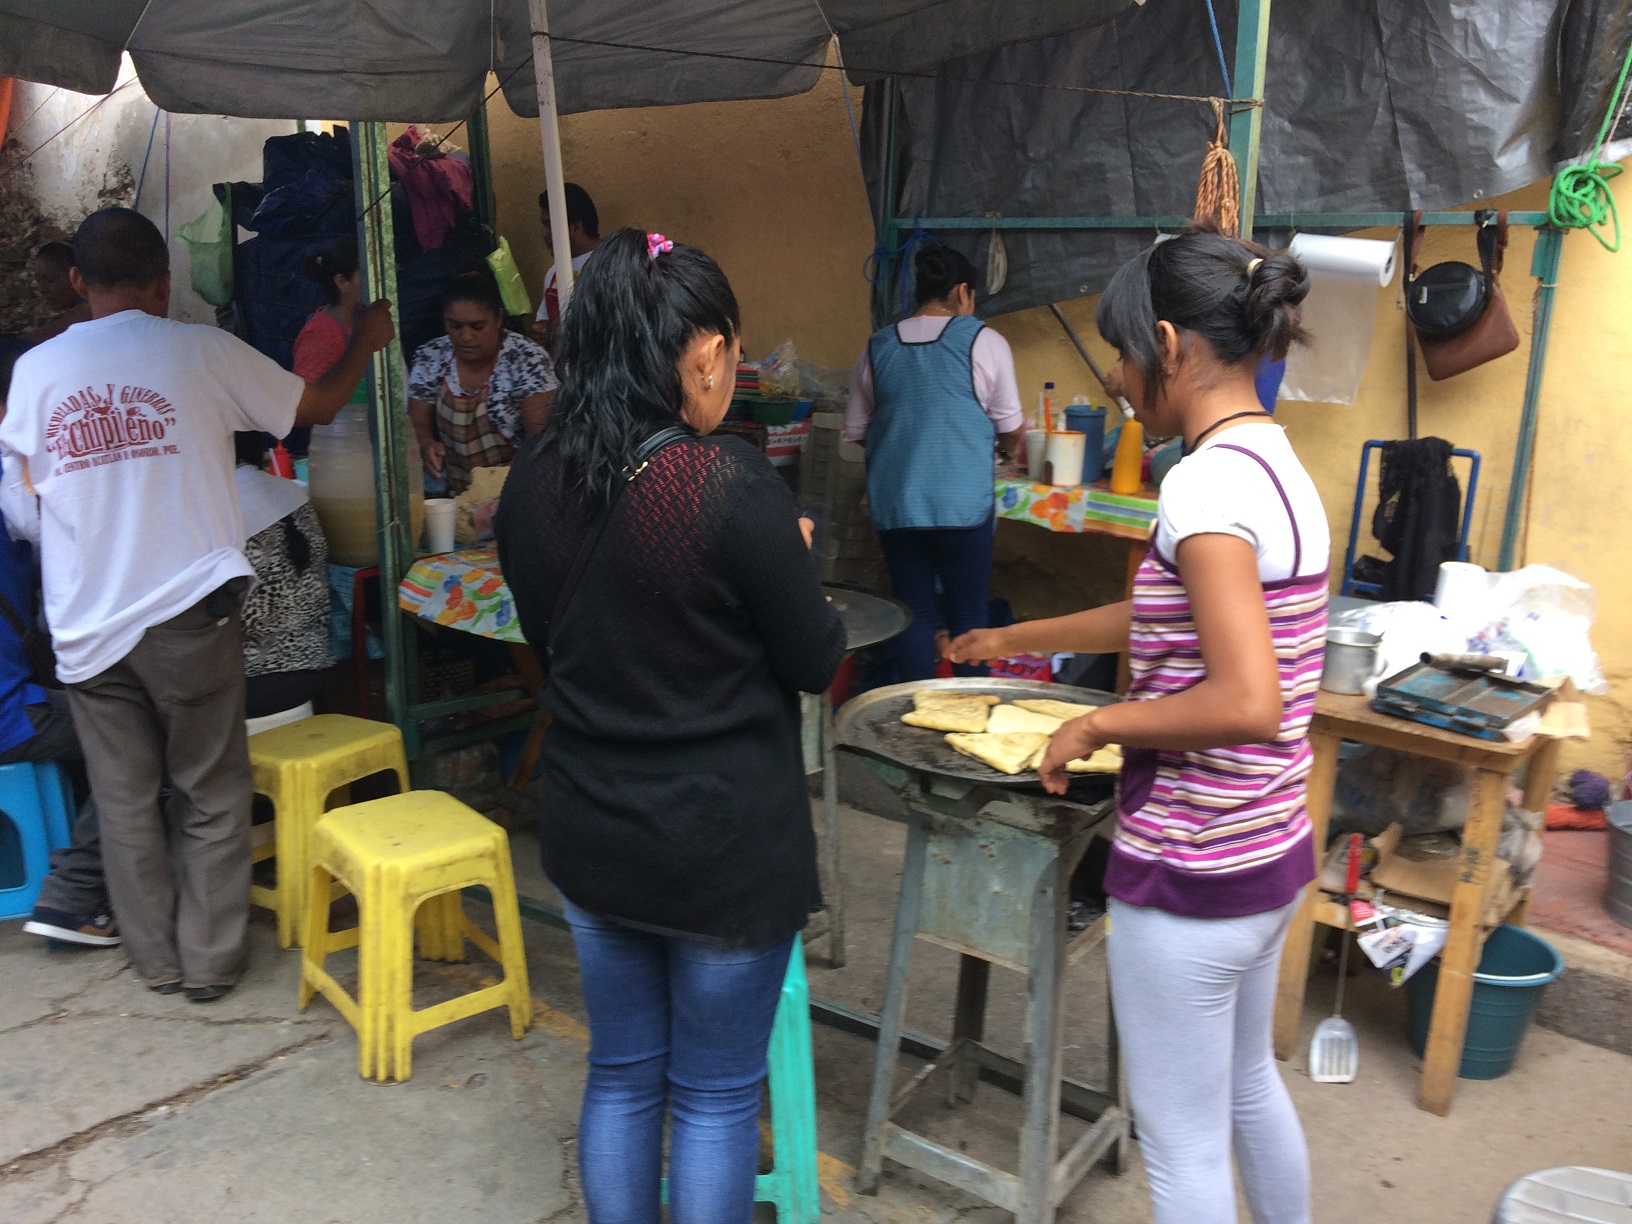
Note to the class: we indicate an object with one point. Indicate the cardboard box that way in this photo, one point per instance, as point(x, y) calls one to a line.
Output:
point(1405, 870)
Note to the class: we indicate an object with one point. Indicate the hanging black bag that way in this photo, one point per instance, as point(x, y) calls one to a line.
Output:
point(1449, 297)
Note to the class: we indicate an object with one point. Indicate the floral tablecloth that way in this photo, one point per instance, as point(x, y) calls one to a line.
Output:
point(1085, 508)
point(464, 591)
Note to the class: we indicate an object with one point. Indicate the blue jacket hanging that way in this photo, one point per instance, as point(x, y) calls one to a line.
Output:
point(929, 444)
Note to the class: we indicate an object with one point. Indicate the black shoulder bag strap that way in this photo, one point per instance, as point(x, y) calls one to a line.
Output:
point(644, 454)
point(37, 652)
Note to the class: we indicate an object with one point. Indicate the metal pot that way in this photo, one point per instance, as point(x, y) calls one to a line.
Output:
point(1353, 657)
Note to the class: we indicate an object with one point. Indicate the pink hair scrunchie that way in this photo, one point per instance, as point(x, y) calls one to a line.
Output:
point(656, 244)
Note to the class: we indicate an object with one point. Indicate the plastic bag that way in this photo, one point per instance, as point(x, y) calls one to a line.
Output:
point(512, 289)
point(779, 373)
point(1408, 629)
point(208, 237)
point(1377, 787)
point(1548, 614)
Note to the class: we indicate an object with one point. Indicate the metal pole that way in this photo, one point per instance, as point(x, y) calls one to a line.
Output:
point(481, 167)
point(1246, 125)
point(371, 176)
point(549, 126)
point(1544, 267)
point(884, 287)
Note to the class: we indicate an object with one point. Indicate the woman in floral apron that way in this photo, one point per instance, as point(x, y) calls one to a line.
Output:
point(477, 392)
point(1225, 633)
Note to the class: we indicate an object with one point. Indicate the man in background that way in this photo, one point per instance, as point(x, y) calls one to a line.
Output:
point(123, 428)
point(52, 264)
point(584, 233)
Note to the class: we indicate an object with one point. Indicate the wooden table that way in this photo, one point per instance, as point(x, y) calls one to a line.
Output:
point(1338, 718)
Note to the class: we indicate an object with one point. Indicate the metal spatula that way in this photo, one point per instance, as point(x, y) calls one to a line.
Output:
point(1334, 1051)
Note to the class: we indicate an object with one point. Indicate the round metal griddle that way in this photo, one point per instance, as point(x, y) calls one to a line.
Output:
point(871, 723)
point(868, 619)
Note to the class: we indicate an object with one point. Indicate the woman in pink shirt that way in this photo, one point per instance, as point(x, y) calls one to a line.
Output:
point(328, 331)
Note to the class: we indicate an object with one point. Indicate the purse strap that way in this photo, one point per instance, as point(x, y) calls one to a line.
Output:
point(13, 618)
point(1412, 221)
point(644, 454)
point(1492, 240)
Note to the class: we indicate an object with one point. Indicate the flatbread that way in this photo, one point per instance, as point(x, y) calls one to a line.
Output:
point(1065, 711)
point(966, 714)
point(1006, 718)
point(1108, 760)
point(1009, 753)
point(924, 698)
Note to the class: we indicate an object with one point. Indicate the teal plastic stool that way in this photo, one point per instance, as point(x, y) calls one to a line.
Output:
point(791, 1185)
point(36, 814)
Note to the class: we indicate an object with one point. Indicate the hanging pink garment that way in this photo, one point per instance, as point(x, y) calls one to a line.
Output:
point(438, 188)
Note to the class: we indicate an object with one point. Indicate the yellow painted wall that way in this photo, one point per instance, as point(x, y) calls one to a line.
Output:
point(773, 190)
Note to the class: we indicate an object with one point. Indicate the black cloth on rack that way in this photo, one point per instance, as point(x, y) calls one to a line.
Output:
point(1419, 509)
point(673, 781)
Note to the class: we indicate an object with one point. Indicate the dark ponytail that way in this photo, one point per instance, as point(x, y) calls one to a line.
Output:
point(938, 270)
point(477, 287)
point(1205, 283)
point(629, 319)
point(324, 266)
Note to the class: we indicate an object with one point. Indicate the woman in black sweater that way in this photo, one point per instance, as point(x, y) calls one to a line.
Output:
point(675, 594)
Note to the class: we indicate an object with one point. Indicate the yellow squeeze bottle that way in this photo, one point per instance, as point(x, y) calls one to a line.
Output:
point(1130, 458)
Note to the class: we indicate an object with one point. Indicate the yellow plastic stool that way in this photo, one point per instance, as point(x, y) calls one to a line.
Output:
point(298, 766)
point(407, 853)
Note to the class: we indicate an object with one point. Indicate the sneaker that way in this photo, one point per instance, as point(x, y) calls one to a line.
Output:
point(93, 930)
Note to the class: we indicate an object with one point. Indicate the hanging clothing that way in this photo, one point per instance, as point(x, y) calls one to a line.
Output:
point(1222, 832)
point(930, 440)
point(1418, 516)
point(439, 188)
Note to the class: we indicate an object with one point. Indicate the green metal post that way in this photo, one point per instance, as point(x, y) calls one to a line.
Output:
point(1544, 267)
point(888, 224)
point(1247, 78)
point(387, 397)
point(481, 168)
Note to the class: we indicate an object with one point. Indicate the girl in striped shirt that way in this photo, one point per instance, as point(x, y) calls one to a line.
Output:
point(1224, 634)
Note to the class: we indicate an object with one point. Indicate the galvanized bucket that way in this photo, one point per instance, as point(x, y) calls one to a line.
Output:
point(1618, 886)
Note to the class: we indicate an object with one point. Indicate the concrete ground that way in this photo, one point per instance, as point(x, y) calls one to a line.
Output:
point(118, 1106)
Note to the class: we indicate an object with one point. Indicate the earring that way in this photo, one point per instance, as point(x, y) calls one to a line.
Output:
point(711, 382)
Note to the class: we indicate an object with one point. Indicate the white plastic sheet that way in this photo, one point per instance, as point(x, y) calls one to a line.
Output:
point(1345, 275)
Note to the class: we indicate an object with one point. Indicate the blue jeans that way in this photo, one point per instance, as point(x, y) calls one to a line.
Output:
point(961, 558)
point(679, 1022)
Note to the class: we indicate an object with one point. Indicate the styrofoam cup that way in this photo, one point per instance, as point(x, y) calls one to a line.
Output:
point(439, 524)
point(1036, 452)
point(1064, 461)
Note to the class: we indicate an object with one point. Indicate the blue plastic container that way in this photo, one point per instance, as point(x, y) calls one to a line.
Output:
point(1513, 972)
point(1083, 419)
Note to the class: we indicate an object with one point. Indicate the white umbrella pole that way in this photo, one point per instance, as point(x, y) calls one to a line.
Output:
point(555, 182)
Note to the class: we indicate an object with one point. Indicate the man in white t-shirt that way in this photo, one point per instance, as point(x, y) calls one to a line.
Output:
point(584, 235)
point(122, 426)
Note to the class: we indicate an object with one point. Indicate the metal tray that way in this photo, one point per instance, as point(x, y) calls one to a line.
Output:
point(868, 619)
point(1480, 704)
point(872, 724)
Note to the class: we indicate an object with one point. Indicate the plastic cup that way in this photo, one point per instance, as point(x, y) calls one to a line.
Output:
point(439, 524)
point(1036, 453)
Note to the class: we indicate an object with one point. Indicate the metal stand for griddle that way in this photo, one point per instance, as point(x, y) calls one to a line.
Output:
point(987, 873)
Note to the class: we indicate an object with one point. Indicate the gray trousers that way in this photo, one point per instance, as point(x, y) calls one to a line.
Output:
point(1195, 1008)
point(174, 706)
point(75, 884)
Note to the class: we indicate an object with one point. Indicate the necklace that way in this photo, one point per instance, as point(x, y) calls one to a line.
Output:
point(1221, 422)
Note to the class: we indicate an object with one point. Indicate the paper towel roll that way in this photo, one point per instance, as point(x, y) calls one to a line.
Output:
point(1344, 276)
point(1462, 594)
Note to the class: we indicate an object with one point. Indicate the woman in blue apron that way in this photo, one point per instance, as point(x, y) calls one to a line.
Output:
point(930, 398)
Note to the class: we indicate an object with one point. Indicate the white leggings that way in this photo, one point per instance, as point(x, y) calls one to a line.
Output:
point(1195, 1005)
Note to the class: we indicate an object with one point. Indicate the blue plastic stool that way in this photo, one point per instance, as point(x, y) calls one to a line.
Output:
point(34, 800)
point(791, 1184)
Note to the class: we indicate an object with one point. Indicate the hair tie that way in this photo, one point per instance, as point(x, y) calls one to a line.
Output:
point(656, 245)
point(1252, 266)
